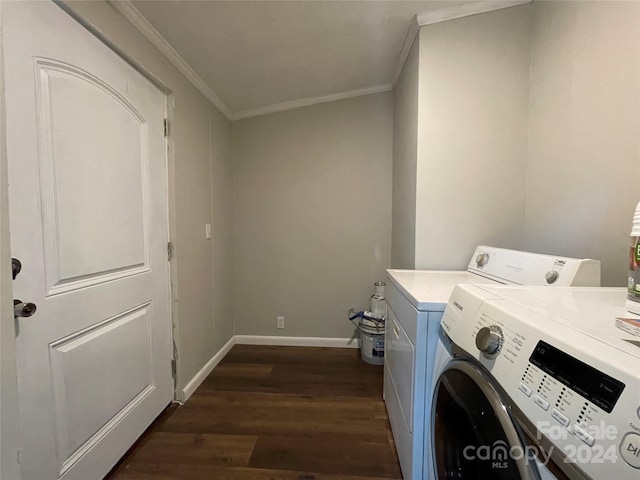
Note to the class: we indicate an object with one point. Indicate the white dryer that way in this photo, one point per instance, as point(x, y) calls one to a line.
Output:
point(535, 383)
point(416, 300)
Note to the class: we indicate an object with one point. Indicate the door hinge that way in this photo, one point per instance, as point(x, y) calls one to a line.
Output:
point(169, 251)
point(166, 127)
point(174, 368)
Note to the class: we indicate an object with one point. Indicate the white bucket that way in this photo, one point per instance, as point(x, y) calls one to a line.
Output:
point(371, 342)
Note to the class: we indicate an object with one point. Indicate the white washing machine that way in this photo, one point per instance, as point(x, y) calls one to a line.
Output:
point(416, 300)
point(535, 383)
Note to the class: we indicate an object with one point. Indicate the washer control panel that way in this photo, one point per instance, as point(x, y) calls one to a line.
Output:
point(578, 399)
point(580, 393)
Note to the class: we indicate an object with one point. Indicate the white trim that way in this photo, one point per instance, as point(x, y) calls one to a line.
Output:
point(126, 8)
point(457, 10)
point(305, 102)
point(297, 341)
point(204, 372)
point(406, 48)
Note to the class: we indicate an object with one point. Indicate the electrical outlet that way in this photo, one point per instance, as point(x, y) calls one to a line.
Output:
point(280, 322)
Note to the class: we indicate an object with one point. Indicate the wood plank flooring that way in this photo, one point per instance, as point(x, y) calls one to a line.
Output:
point(274, 413)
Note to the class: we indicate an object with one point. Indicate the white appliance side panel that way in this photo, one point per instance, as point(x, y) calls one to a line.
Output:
point(423, 365)
point(405, 313)
point(432, 332)
point(399, 354)
point(401, 435)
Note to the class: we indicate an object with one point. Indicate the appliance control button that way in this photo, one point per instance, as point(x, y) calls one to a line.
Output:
point(482, 259)
point(524, 389)
point(489, 340)
point(582, 434)
point(630, 449)
point(551, 276)
point(541, 402)
point(562, 419)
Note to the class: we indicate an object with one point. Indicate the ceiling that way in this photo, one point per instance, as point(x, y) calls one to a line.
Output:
point(253, 57)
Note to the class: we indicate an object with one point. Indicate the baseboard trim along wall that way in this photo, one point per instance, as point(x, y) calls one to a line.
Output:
point(297, 341)
point(204, 372)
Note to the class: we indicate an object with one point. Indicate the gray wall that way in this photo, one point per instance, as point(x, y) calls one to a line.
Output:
point(222, 182)
point(532, 112)
point(583, 172)
point(405, 162)
point(462, 182)
point(472, 138)
point(202, 173)
point(313, 215)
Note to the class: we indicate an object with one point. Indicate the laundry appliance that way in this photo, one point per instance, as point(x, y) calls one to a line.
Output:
point(535, 383)
point(416, 300)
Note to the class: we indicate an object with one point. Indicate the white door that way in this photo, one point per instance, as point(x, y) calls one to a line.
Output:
point(88, 207)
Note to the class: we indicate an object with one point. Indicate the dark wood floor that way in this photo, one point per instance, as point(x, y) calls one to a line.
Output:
point(277, 413)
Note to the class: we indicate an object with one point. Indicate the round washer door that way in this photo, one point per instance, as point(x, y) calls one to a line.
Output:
point(473, 433)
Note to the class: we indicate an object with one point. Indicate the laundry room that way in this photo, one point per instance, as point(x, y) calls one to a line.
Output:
point(305, 150)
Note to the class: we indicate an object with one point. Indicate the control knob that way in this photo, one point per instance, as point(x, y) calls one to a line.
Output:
point(482, 259)
point(551, 276)
point(489, 340)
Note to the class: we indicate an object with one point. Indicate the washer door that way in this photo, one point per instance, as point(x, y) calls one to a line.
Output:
point(474, 435)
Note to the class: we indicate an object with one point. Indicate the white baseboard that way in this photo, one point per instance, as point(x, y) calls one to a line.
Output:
point(204, 372)
point(297, 341)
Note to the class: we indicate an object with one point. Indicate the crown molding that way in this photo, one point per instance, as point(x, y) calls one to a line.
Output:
point(126, 8)
point(406, 48)
point(304, 102)
point(457, 10)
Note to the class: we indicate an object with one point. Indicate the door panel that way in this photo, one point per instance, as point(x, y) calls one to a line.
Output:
point(91, 241)
point(88, 206)
point(113, 357)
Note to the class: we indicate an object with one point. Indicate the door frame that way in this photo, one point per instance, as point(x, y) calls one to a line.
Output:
point(178, 395)
point(9, 413)
point(9, 410)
